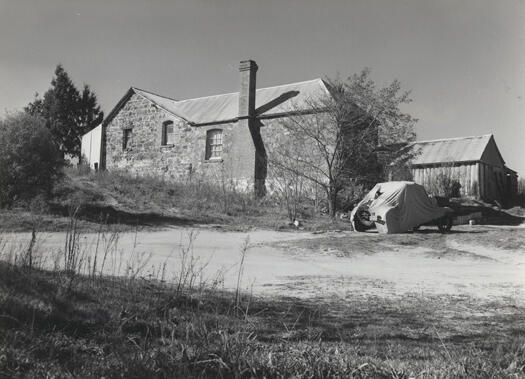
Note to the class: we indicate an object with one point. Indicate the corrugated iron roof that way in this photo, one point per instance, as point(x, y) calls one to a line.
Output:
point(449, 150)
point(162, 101)
point(270, 102)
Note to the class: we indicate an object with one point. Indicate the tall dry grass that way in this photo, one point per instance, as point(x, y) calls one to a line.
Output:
point(199, 195)
point(200, 199)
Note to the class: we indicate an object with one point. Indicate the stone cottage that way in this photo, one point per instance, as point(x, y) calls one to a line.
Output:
point(221, 137)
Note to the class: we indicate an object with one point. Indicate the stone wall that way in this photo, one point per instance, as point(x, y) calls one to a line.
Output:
point(186, 157)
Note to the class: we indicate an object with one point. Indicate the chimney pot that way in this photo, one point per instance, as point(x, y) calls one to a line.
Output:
point(248, 65)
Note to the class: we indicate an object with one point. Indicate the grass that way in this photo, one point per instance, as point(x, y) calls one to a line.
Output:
point(131, 202)
point(23, 220)
point(149, 202)
point(60, 323)
point(114, 327)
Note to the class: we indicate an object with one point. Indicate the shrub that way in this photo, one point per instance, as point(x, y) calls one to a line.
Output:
point(447, 186)
point(444, 181)
point(29, 159)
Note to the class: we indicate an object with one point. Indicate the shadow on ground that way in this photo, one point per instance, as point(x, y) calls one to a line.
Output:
point(111, 215)
point(489, 215)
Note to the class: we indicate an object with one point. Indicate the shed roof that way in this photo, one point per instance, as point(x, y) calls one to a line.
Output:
point(270, 102)
point(463, 149)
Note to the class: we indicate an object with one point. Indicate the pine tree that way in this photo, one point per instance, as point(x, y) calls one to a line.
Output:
point(68, 114)
point(90, 114)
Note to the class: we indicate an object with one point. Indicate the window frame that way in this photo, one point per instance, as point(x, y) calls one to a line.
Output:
point(127, 138)
point(164, 137)
point(214, 144)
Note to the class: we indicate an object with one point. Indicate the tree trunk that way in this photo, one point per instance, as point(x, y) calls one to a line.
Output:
point(332, 203)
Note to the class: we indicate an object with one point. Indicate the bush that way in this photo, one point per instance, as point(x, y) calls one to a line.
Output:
point(29, 159)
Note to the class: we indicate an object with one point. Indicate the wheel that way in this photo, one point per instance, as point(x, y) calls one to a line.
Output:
point(444, 224)
point(358, 226)
point(362, 220)
point(364, 216)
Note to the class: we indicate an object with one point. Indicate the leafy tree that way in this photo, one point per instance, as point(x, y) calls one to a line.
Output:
point(338, 146)
point(67, 112)
point(29, 159)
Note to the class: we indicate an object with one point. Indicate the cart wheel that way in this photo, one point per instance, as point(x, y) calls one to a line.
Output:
point(362, 220)
point(359, 227)
point(363, 215)
point(444, 224)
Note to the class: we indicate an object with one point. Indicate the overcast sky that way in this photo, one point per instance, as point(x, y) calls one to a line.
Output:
point(463, 60)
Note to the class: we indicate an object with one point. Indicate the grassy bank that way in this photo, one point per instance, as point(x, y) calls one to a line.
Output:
point(129, 201)
point(132, 202)
point(63, 325)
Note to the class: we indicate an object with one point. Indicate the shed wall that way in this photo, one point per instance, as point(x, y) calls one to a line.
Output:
point(91, 147)
point(494, 182)
point(466, 174)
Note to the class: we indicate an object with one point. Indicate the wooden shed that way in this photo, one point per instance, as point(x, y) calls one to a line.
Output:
point(474, 165)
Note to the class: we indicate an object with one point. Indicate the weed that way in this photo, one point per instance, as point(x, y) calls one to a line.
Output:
point(244, 250)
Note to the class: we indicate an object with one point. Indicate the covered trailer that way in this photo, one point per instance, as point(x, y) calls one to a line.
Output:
point(397, 207)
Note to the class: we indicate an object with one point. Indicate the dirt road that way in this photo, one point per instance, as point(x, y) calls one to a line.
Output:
point(476, 261)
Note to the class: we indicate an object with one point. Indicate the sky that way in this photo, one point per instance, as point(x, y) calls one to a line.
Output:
point(463, 60)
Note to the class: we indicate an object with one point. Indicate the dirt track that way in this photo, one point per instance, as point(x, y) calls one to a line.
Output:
point(475, 261)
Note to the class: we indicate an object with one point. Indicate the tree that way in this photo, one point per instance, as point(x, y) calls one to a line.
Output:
point(90, 114)
point(338, 145)
point(29, 159)
point(287, 183)
point(68, 113)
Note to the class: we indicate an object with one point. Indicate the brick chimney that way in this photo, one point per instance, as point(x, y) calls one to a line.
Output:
point(248, 73)
point(248, 70)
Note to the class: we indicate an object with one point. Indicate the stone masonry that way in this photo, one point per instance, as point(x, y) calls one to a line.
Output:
point(182, 160)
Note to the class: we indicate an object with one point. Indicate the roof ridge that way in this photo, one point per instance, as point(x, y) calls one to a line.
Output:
point(237, 92)
point(289, 84)
point(452, 139)
point(207, 97)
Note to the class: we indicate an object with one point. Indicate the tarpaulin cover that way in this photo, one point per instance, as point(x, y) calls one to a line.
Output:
point(401, 205)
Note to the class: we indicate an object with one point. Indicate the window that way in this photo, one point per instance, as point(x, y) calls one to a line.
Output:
point(126, 139)
point(214, 144)
point(168, 135)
